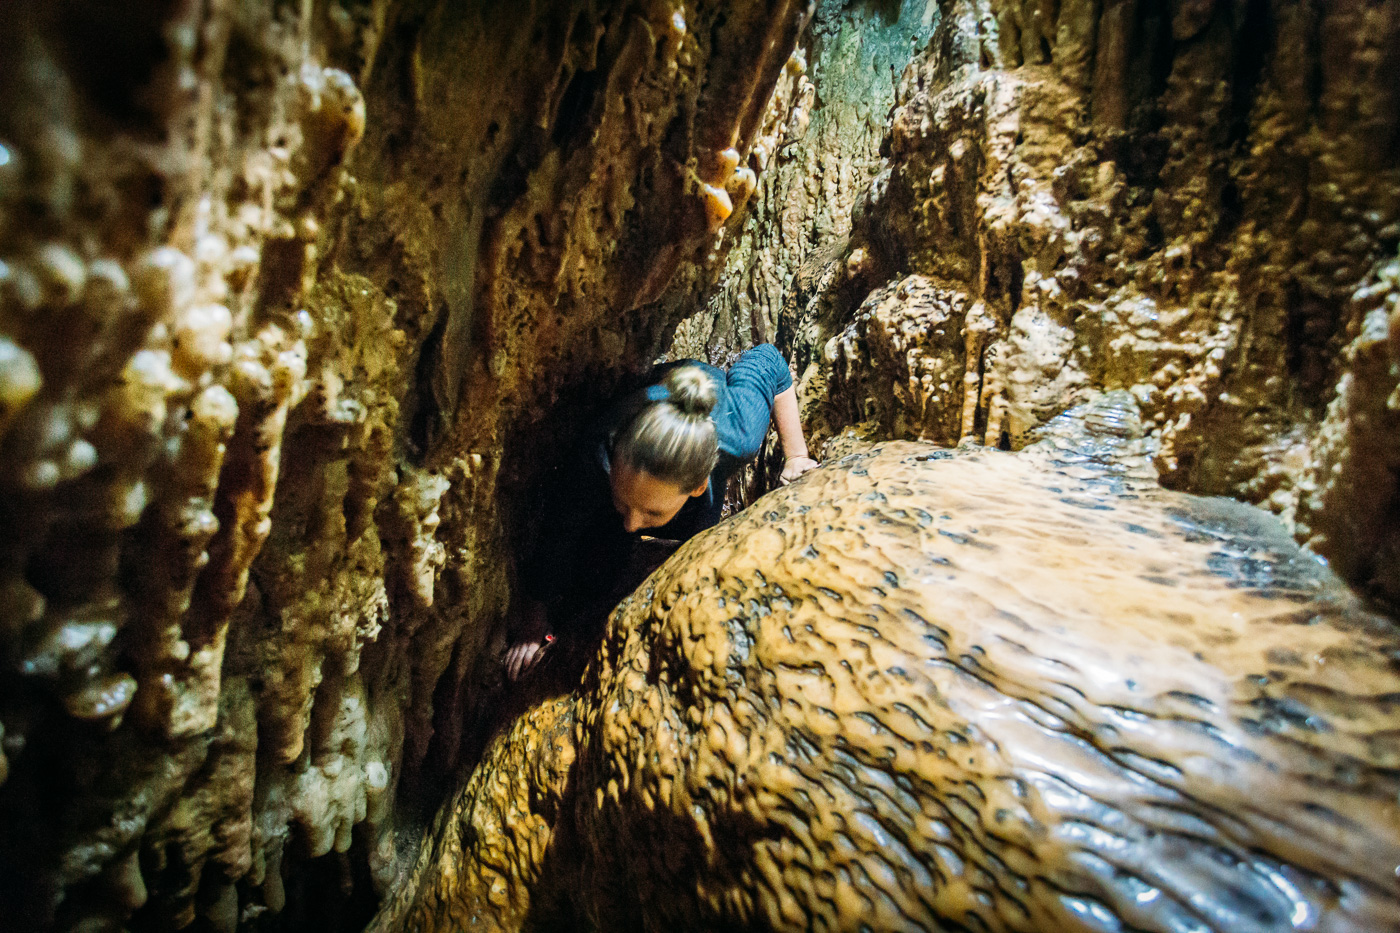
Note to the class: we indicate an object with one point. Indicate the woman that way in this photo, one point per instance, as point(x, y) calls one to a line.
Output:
point(658, 462)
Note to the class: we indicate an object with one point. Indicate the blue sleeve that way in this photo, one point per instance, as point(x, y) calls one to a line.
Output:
point(762, 365)
point(757, 378)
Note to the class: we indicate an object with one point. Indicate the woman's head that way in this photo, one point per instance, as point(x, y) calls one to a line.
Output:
point(665, 453)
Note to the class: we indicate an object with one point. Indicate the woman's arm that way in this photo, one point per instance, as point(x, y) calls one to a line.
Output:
point(760, 383)
point(789, 424)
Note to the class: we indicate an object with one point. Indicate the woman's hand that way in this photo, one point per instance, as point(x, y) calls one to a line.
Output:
point(535, 637)
point(795, 467)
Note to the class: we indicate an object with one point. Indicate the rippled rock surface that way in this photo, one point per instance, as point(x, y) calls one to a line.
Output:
point(927, 689)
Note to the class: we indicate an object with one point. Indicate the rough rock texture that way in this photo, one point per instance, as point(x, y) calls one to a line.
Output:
point(981, 691)
point(297, 301)
point(1198, 202)
point(814, 169)
point(286, 292)
point(817, 165)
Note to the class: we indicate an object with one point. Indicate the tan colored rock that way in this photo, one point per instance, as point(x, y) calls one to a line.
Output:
point(273, 274)
point(917, 689)
point(906, 350)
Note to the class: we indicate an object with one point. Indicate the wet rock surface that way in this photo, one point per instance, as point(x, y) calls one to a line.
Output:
point(938, 689)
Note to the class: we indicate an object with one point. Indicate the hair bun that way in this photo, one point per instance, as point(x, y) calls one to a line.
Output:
point(692, 391)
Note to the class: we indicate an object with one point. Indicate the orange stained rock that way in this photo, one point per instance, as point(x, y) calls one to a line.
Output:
point(718, 205)
point(922, 689)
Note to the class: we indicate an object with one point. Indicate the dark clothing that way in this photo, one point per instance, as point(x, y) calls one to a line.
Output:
point(584, 550)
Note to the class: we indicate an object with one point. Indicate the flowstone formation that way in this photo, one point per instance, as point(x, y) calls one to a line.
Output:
point(973, 690)
point(295, 298)
point(1198, 202)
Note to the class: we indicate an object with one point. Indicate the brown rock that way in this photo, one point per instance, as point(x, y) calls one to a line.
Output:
point(919, 688)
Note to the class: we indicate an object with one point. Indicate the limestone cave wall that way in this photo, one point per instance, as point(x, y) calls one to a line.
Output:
point(1198, 202)
point(296, 299)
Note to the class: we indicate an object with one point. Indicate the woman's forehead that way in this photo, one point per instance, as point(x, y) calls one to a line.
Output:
point(641, 489)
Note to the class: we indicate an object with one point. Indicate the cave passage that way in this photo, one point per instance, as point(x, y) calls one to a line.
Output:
point(1091, 310)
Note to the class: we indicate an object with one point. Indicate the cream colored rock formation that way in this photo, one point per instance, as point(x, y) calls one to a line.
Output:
point(927, 690)
point(295, 300)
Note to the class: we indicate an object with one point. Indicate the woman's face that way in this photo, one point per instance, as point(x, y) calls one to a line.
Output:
point(644, 501)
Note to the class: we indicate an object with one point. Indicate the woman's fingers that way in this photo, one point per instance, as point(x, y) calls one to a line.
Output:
point(516, 659)
point(795, 467)
point(522, 657)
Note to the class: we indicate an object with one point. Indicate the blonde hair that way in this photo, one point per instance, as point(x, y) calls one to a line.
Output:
point(673, 438)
